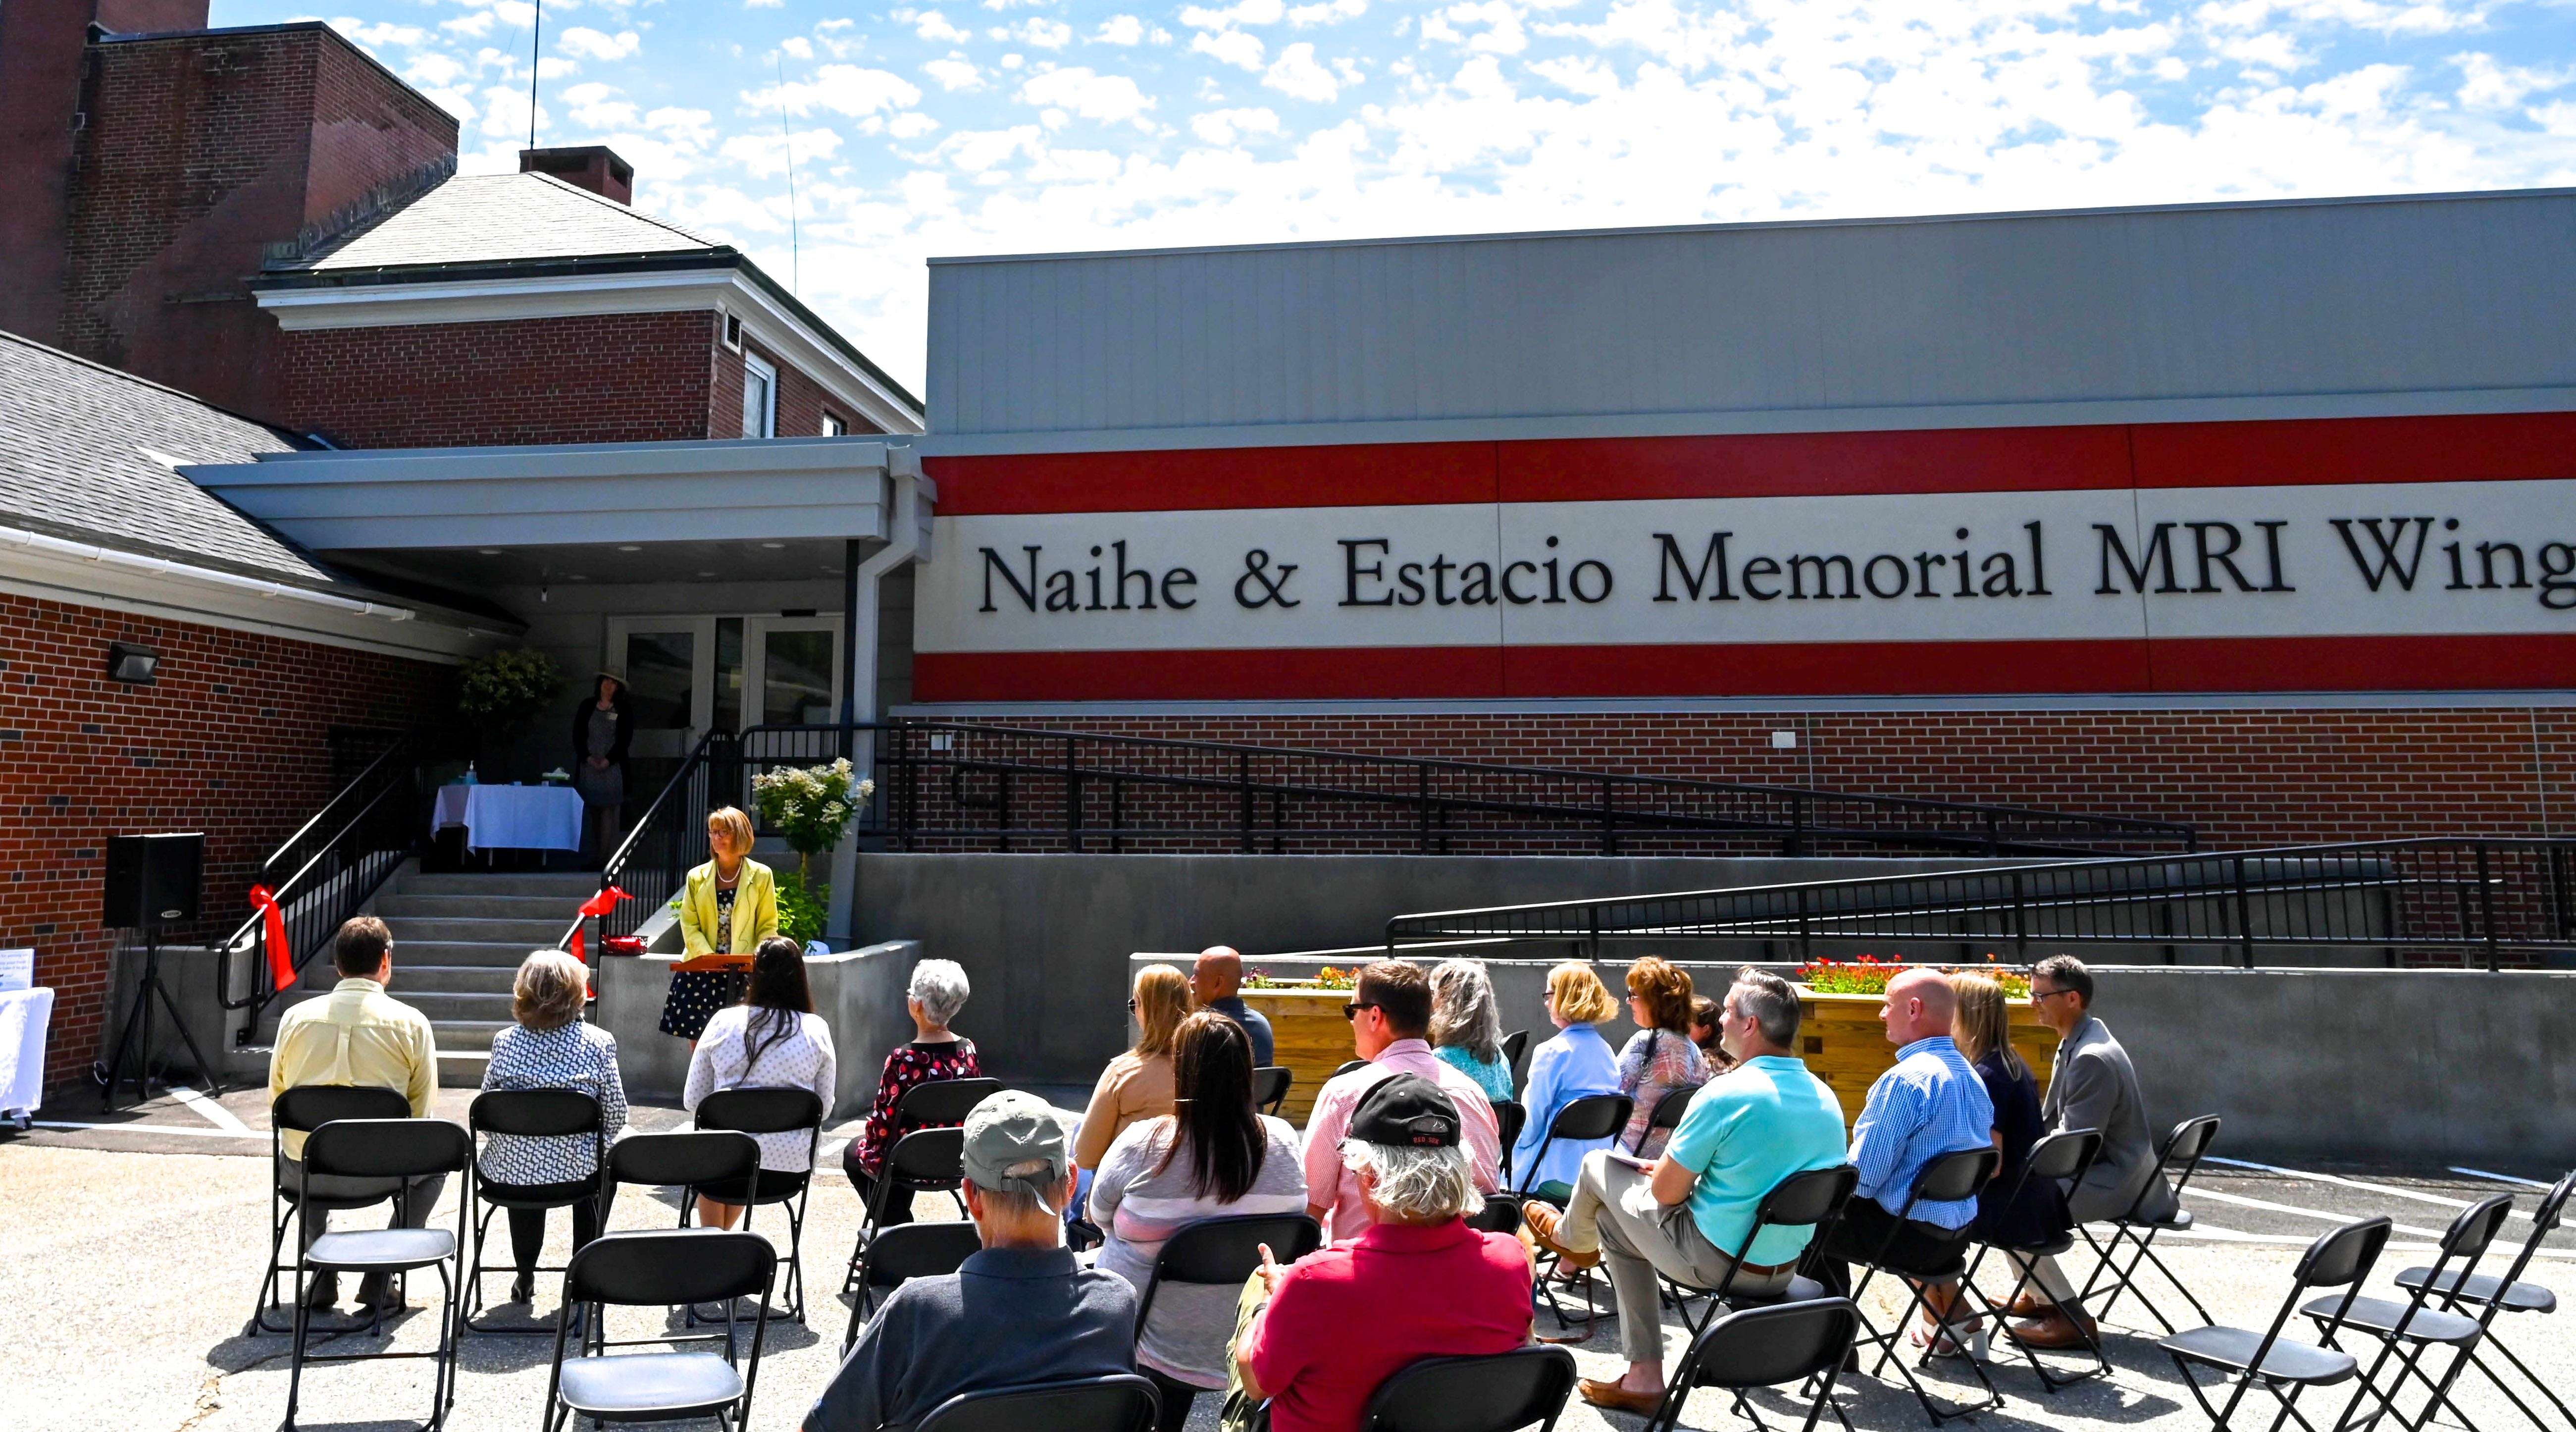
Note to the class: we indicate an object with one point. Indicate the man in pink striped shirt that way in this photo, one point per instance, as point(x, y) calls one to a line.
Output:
point(1390, 1014)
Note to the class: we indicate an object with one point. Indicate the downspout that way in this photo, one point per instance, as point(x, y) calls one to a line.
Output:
point(907, 540)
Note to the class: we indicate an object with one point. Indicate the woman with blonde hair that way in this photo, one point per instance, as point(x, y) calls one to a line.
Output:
point(1137, 1085)
point(1659, 1058)
point(550, 1047)
point(1575, 1063)
point(1466, 1029)
point(727, 907)
point(2007, 1212)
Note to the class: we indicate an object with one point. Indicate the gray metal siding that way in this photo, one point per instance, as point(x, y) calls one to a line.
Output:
point(2410, 296)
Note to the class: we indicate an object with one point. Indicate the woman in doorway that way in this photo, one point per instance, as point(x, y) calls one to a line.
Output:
point(728, 906)
point(601, 731)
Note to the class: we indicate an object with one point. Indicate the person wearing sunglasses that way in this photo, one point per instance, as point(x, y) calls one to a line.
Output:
point(1390, 1014)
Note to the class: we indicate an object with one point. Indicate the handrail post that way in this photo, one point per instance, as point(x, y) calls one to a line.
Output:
point(2021, 920)
point(1072, 796)
point(1609, 820)
point(1806, 937)
point(1796, 844)
point(2486, 908)
point(1422, 807)
point(2244, 916)
point(1991, 846)
point(1243, 787)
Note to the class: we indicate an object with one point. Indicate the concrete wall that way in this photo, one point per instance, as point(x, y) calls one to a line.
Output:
point(858, 992)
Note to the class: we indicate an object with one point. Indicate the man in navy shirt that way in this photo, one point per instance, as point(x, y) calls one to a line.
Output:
point(1214, 981)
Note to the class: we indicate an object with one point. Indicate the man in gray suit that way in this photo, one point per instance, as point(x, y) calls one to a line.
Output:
point(2092, 1085)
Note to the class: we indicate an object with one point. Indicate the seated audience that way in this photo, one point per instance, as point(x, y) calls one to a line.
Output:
point(1390, 1013)
point(1705, 1013)
point(357, 1036)
point(2007, 1212)
point(1929, 1104)
point(1020, 1310)
point(1576, 1062)
point(935, 1055)
point(1419, 1283)
point(1137, 1085)
point(1212, 1157)
point(1742, 1136)
point(1659, 1057)
point(1467, 1028)
point(2091, 1085)
point(1216, 982)
point(773, 1038)
point(550, 1047)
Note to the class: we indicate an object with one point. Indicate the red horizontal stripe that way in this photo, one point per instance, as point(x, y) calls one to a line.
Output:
point(1958, 668)
point(2485, 448)
point(1199, 479)
point(1816, 464)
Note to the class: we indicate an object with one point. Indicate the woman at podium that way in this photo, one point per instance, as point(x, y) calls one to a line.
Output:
point(728, 906)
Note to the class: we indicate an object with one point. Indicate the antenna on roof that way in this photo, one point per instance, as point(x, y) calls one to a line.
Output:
point(536, 37)
point(795, 258)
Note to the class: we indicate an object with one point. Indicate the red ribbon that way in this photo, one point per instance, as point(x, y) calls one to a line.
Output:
point(591, 909)
point(281, 960)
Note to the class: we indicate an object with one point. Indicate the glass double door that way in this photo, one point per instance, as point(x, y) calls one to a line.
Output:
point(686, 676)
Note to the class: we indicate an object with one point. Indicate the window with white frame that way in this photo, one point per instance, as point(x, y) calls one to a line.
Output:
point(759, 398)
point(833, 427)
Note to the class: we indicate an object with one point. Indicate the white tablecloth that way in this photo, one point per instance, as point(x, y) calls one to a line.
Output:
point(24, 1014)
point(511, 817)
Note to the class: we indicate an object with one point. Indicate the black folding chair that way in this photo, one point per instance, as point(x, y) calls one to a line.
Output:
point(1270, 1085)
point(1515, 1048)
point(1803, 1342)
point(397, 1149)
point(2340, 1259)
point(764, 1109)
point(1118, 1402)
point(524, 1113)
point(941, 1104)
point(1348, 1065)
point(302, 1110)
point(1666, 1115)
point(1592, 1117)
point(2492, 1295)
point(902, 1253)
point(920, 1161)
point(1510, 1117)
point(2410, 1328)
point(657, 1269)
point(2181, 1157)
point(1948, 1179)
point(2062, 1157)
point(1499, 1392)
point(1501, 1214)
point(1226, 1252)
point(1811, 1199)
point(687, 1162)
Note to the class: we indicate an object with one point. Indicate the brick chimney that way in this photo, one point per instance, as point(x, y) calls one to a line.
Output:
point(594, 167)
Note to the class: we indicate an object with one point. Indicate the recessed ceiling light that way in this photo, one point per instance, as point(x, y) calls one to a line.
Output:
point(489, 551)
point(630, 548)
point(706, 574)
point(575, 577)
point(773, 546)
point(835, 571)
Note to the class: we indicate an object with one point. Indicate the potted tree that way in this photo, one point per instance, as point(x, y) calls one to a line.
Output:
point(811, 806)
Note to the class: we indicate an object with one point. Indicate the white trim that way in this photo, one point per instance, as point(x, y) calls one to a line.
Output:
point(755, 366)
point(436, 642)
point(764, 319)
point(1764, 705)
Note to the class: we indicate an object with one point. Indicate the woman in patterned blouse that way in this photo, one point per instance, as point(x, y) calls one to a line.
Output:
point(938, 990)
point(550, 1048)
point(1660, 1056)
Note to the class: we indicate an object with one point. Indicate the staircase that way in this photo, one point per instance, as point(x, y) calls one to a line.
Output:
point(458, 941)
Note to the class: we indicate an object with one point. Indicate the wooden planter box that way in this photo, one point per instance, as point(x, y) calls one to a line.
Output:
point(1846, 1046)
point(1310, 1037)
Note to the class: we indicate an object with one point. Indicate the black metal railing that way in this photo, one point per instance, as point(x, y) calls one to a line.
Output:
point(330, 867)
point(965, 785)
point(2456, 900)
point(654, 858)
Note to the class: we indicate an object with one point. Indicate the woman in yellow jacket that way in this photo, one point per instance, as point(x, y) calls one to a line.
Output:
point(729, 905)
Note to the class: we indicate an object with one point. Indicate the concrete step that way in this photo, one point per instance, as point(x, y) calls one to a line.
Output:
point(411, 979)
point(468, 1035)
point(575, 884)
point(488, 954)
point(480, 907)
point(445, 1006)
point(529, 934)
point(460, 1069)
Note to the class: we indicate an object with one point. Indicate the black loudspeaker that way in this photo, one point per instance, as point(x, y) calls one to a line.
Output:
point(153, 879)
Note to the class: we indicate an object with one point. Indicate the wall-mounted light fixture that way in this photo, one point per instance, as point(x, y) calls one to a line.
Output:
point(131, 664)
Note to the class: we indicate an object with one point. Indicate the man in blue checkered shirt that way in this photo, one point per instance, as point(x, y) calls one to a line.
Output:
point(1931, 1103)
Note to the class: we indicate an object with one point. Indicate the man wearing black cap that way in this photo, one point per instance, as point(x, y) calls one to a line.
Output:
point(1021, 1310)
point(1419, 1283)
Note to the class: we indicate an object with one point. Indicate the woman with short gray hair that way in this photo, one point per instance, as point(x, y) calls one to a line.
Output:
point(550, 1047)
point(936, 993)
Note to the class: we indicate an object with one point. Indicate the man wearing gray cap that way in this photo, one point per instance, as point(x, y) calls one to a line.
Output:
point(1019, 1311)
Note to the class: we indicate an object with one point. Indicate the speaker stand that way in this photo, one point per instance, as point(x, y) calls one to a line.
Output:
point(136, 1037)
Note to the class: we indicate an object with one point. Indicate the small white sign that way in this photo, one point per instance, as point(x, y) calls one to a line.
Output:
point(17, 969)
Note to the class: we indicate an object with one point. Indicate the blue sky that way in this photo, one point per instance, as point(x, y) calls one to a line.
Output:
point(999, 126)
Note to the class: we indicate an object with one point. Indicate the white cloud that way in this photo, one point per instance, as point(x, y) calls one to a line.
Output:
point(954, 74)
point(582, 42)
point(1120, 30)
point(1298, 76)
point(1242, 12)
point(1043, 33)
point(1331, 12)
point(933, 26)
point(376, 34)
point(1223, 126)
point(1108, 99)
point(2486, 84)
point(911, 124)
point(1232, 47)
point(797, 47)
point(842, 89)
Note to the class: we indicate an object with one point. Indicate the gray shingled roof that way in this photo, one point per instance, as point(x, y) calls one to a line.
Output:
point(502, 218)
point(81, 457)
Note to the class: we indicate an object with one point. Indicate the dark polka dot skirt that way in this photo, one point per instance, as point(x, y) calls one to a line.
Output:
point(695, 997)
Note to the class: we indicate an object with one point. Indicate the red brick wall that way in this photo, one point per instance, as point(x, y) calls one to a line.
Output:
point(625, 377)
point(198, 152)
point(231, 740)
point(801, 400)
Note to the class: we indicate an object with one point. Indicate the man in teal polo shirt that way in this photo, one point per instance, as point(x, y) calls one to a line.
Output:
point(1745, 1131)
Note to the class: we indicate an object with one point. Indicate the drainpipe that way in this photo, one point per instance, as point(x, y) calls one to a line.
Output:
point(907, 540)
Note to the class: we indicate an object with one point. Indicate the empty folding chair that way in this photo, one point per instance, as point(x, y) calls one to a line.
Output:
point(1666, 1115)
point(2340, 1259)
point(2180, 1159)
point(708, 1159)
point(1270, 1085)
point(1802, 1342)
point(1499, 1392)
point(526, 1113)
point(940, 1104)
point(302, 1110)
point(397, 1149)
point(1947, 1179)
point(762, 1109)
point(2064, 1157)
point(2412, 1327)
point(2488, 1296)
point(1811, 1199)
point(1119, 1402)
point(898, 1255)
point(659, 1269)
point(1590, 1118)
point(924, 1160)
point(1510, 1117)
point(1515, 1045)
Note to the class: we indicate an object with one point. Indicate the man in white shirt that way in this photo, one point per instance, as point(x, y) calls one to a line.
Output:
point(1390, 1014)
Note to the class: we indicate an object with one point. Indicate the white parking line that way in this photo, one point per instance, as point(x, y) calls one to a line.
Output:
point(2196, 1191)
point(212, 1112)
point(2416, 1194)
point(2496, 1177)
